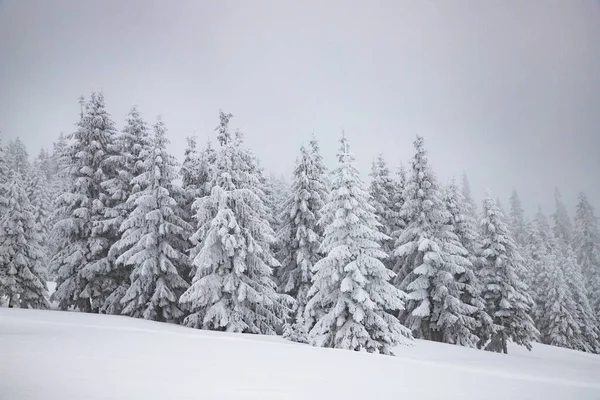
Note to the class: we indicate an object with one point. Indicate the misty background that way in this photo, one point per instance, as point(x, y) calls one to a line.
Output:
point(507, 91)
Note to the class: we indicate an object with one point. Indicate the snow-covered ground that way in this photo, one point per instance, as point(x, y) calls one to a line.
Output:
point(62, 355)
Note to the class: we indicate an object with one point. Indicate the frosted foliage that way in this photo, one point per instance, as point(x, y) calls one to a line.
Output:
point(587, 248)
point(18, 158)
point(465, 229)
point(517, 219)
point(154, 237)
point(430, 261)
point(233, 289)
point(351, 297)
point(587, 322)
point(81, 261)
point(466, 192)
point(300, 236)
point(4, 179)
point(563, 227)
point(125, 164)
point(382, 192)
point(506, 296)
point(195, 173)
point(22, 274)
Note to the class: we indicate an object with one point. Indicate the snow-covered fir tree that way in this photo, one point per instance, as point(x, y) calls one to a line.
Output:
point(587, 248)
point(589, 329)
point(430, 260)
point(154, 237)
point(507, 299)
point(398, 187)
point(233, 288)
point(381, 191)
point(563, 227)
point(82, 262)
point(351, 296)
point(560, 327)
point(300, 238)
point(468, 196)
point(4, 179)
point(22, 274)
point(125, 164)
point(587, 321)
point(39, 194)
point(517, 219)
point(18, 158)
point(465, 228)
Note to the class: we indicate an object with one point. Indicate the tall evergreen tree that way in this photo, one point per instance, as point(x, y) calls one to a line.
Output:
point(506, 296)
point(466, 193)
point(81, 262)
point(351, 295)
point(233, 289)
point(563, 227)
point(300, 238)
point(517, 219)
point(22, 277)
point(587, 248)
point(154, 235)
point(465, 228)
point(125, 163)
point(430, 259)
point(381, 191)
point(18, 158)
point(4, 179)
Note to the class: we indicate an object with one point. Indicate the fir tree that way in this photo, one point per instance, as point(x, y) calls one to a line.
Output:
point(299, 238)
point(563, 227)
point(4, 179)
point(381, 192)
point(466, 193)
point(587, 248)
point(233, 289)
point(81, 263)
point(465, 229)
point(430, 259)
point(22, 277)
point(18, 158)
point(506, 296)
point(351, 295)
point(154, 235)
point(126, 163)
point(517, 219)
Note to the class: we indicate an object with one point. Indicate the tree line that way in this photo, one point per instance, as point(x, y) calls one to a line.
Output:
point(217, 243)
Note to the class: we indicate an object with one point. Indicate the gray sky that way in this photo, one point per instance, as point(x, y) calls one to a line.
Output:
point(508, 91)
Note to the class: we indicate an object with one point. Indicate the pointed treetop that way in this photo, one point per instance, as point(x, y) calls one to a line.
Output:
point(224, 136)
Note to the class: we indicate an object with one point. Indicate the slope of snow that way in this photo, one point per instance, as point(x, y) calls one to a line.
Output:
point(61, 355)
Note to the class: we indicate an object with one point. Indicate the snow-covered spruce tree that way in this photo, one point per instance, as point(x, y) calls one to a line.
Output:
point(587, 248)
point(587, 321)
point(154, 237)
point(381, 192)
point(507, 299)
point(430, 260)
point(517, 219)
point(538, 271)
point(398, 187)
point(466, 193)
point(560, 327)
point(465, 228)
point(351, 295)
point(39, 194)
point(81, 262)
point(563, 227)
point(18, 158)
point(589, 329)
point(4, 179)
point(125, 163)
point(233, 289)
point(299, 239)
point(22, 277)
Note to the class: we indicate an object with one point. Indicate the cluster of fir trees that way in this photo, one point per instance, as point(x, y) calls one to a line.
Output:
point(330, 260)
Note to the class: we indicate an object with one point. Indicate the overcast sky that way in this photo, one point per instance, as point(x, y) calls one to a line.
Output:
point(508, 91)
